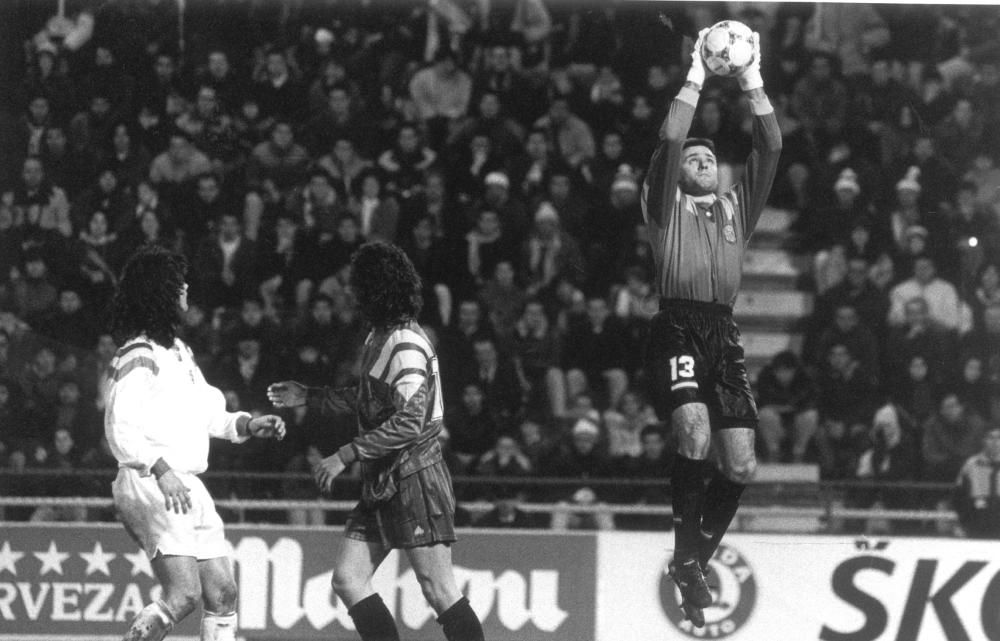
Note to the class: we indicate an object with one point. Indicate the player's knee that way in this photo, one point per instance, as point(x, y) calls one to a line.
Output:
point(344, 583)
point(182, 602)
point(742, 471)
point(221, 598)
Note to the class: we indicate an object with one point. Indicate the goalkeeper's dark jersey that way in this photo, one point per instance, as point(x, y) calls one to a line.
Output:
point(398, 404)
point(698, 247)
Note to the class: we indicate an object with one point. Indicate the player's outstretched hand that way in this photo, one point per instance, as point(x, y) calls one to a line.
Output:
point(696, 73)
point(267, 426)
point(326, 470)
point(176, 495)
point(751, 78)
point(287, 394)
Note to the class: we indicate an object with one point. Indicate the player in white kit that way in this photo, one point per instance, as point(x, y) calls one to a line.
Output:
point(159, 416)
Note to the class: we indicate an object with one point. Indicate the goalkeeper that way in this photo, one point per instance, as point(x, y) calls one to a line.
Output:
point(694, 354)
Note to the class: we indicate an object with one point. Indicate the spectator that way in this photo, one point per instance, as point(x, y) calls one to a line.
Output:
point(279, 163)
point(472, 426)
point(848, 330)
point(504, 460)
point(820, 99)
point(549, 253)
point(846, 395)
point(625, 423)
point(944, 306)
point(505, 134)
point(977, 494)
point(61, 455)
point(181, 162)
point(376, 209)
point(503, 299)
point(37, 204)
point(788, 415)
point(950, 437)
point(431, 259)
point(654, 465)
point(441, 93)
point(343, 164)
point(405, 162)
point(568, 133)
point(338, 121)
point(892, 456)
point(280, 95)
point(594, 354)
point(512, 211)
point(471, 164)
point(536, 350)
point(486, 245)
point(580, 459)
point(71, 324)
point(497, 377)
point(34, 293)
point(918, 335)
point(225, 265)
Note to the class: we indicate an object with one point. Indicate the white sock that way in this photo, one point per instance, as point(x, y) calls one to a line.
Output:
point(218, 627)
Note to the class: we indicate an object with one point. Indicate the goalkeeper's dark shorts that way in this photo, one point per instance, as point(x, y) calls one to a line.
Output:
point(694, 355)
point(421, 512)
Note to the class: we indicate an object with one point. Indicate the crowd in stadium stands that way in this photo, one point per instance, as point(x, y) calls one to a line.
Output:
point(502, 144)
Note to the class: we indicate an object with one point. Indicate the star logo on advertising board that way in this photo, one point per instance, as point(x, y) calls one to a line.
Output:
point(9, 559)
point(140, 563)
point(734, 592)
point(52, 560)
point(97, 561)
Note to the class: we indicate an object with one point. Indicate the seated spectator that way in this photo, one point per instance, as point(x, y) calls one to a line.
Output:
point(916, 388)
point(573, 209)
point(433, 263)
point(846, 395)
point(78, 416)
point(974, 388)
point(441, 93)
point(625, 423)
point(225, 266)
point(985, 292)
point(376, 209)
point(279, 163)
point(246, 370)
point(950, 437)
point(503, 300)
point(594, 354)
point(944, 306)
point(786, 401)
point(977, 496)
point(918, 336)
point(534, 441)
point(504, 460)
point(857, 291)
point(71, 324)
point(37, 203)
point(567, 132)
point(580, 458)
point(486, 245)
point(495, 372)
point(317, 205)
point(892, 455)
point(60, 456)
point(507, 514)
point(535, 347)
point(289, 266)
point(406, 161)
point(847, 329)
point(343, 164)
point(472, 426)
point(470, 165)
point(180, 163)
point(654, 464)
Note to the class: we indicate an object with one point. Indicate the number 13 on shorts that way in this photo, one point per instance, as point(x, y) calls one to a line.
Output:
point(682, 372)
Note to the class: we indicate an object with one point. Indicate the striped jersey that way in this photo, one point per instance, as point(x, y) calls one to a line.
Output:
point(159, 405)
point(398, 404)
point(698, 246)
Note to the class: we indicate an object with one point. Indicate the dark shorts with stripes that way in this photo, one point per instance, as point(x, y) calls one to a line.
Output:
point(421, 512)
point(694, 355)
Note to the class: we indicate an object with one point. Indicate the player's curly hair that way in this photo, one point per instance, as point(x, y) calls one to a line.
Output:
point(147, 297)
point(386, 284)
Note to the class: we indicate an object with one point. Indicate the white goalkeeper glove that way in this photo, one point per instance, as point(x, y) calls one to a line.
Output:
point(751, 78)
point(696, 73)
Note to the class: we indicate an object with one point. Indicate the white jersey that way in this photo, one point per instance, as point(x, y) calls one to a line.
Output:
point(159, 405)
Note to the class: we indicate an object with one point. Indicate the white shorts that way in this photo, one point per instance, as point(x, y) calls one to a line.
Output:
point(141, 508)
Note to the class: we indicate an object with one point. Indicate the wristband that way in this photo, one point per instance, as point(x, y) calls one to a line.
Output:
point(751, 79)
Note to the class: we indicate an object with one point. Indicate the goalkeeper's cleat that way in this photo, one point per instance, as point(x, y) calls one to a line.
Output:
point(691, 582)
point(695, 615)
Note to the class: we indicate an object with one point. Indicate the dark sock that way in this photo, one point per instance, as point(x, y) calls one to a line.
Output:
point(373, 620)
point(687, 485)
point(722, 498)
point(460, 622)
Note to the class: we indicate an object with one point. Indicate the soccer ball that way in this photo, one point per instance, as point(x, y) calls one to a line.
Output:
point(728, 48)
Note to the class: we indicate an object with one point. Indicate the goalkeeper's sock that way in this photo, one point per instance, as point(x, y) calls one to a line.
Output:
point(687, 485)
point(460, 622)
point(722, 498)
point(373, 620)
point(151, 624)
point(218, 627)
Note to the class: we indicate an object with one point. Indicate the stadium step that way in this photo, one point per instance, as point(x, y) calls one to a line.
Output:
point(772, 268)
